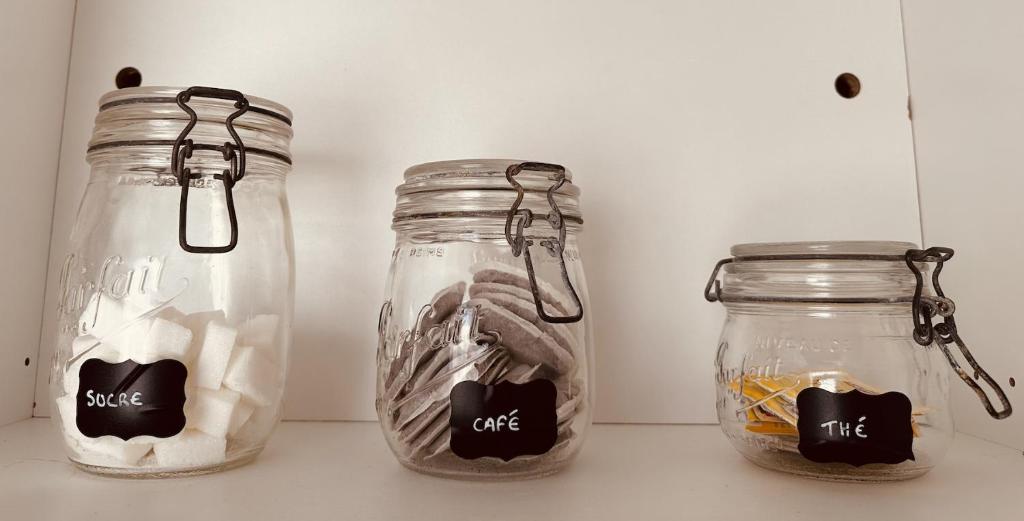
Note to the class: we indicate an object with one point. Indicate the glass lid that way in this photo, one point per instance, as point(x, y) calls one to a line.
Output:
point(151, 117)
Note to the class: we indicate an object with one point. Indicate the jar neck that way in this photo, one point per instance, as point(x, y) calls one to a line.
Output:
point(822, 280)
point(899, 310)
point(464, 227)
point(155, 161)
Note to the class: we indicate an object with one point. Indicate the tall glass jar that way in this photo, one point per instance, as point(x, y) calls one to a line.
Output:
point(176, 295)
point(485, 356)
point(830, 364)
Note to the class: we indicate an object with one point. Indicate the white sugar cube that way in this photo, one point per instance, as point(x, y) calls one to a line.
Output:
point(258, 428)
point(212, 411)
point(103, 451)
point(104, 314)
point(71, 377)
point(173, 314)
point(163, 340)
point(98, 351)
point(149, 460)
point(214, 354)
point(252, 375)
point(260, 331)
point(131, 334)
point(242, 413)
point(112, 451)
point(197, 321)
point(83, 343)
point(100, 314)
point(188, 449)
point(67, 405)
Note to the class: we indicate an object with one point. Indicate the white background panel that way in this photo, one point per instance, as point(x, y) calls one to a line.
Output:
point(966, 83)
point(35, 39)
point(689, 126)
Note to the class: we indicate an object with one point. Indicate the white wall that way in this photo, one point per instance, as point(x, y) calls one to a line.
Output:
point(966, 84)
point(35, 39)
point(688, 125)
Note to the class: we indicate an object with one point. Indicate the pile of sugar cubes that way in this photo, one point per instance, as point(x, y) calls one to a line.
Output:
point(233, 390)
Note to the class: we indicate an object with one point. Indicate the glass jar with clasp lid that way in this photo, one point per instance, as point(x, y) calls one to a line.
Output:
point(176, 293)
point(484, 359)
point(835, 357)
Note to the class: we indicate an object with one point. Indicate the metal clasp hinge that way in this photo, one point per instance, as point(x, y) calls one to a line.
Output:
point(555, 246)
point(945, 332)
point(234, 154)
point(713, 290)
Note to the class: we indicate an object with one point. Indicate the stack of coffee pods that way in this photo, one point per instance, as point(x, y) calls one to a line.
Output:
point(487, 331)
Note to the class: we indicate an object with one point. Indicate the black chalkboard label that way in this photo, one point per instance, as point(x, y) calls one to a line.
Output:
point(504, 420)
point(854, 427)
point(130, 399)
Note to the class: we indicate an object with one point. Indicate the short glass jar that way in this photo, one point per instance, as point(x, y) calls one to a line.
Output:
point(176, 295)
point(829, 364)
point(485, 357)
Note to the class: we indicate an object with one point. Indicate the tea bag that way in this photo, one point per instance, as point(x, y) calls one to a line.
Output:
point(769, 402)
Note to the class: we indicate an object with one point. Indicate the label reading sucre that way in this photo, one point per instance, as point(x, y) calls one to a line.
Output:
point(854, 427)
point(93, 399)
point(504, 421)
point(129, 399)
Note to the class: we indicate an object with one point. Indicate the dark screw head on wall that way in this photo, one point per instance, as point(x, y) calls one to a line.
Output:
point(128, 77)
point(848, 85)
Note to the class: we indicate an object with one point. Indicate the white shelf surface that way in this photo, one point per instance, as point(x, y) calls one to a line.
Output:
point(343, 470)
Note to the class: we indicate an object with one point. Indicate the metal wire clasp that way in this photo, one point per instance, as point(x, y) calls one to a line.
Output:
point(234, 154)
point(555, 246)
point(713, 290)
point(945, 332)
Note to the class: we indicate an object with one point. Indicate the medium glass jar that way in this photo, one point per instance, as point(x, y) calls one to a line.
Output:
point(485, 356)
point(175, 299)
point(829, 363)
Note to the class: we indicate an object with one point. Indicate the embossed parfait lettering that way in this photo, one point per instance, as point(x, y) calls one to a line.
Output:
point(814, 345)
point(76, 286)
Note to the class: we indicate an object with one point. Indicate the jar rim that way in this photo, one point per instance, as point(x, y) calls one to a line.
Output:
point(167, 94)
point(145, 120)
point(834, 272)
point(858, 247)
point(465, 166)
point(477, 174)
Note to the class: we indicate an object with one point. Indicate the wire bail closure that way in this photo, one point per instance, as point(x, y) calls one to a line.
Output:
point(234, 154)
point(924, 308)
point(555, 246)
point(945, 332)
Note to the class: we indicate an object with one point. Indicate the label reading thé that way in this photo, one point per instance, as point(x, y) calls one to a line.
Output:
point(854, 427)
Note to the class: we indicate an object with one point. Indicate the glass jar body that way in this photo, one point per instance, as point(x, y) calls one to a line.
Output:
point(769, 353)
point(459, 309)
point(170, 362)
